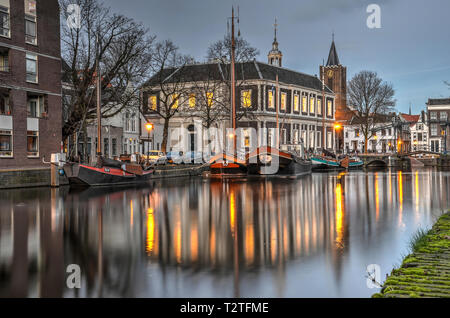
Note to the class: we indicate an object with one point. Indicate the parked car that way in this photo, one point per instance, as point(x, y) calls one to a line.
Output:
point(155, 157)
point(175, 157)
point(193, 157)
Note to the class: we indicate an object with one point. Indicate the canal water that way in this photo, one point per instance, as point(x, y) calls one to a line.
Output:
point(307, 237)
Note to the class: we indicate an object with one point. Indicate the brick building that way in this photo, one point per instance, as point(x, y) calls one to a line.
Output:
point(30, 82)
point(438, 112)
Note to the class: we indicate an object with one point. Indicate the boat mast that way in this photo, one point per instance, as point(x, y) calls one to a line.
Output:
point(277, 135)
point(233, 82)
point(323, 106)
point(99, 113)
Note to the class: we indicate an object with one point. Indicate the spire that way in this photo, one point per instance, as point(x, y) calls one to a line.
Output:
point(275, 56)
point(332, 56)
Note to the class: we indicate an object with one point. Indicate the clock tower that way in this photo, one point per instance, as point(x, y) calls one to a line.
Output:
point(335, 77)
point(275, 56)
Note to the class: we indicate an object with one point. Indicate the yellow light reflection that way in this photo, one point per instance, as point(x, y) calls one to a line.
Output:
point(249, 243)
point(232, 213)
point(150, 231)
point(131, 213)
point(177, 236)
point(339, 215)
point(194, 243)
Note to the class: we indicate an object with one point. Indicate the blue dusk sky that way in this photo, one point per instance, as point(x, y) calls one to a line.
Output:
point(411, 50)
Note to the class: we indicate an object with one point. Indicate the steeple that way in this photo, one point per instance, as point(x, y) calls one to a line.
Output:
point(333, 59)
point(275, 56)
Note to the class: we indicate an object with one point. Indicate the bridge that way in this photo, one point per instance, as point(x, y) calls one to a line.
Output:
point(405, 160)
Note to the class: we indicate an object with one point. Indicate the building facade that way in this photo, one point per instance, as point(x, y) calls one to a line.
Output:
point(438, 111)
point(30, 82)
point(419, 134)
point(302, 116)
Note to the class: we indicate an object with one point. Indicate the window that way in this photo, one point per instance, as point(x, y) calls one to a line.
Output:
point(30, 22)
point(192, 100)
point(311, 105)
point(152, 102)
point(296, 103)
point(6, 143)
point(175, 99)
point(246, 98)
point(271, 103)
point(35, 107)
point(304, 106)
point(5, 108)
point(356, 132)
point(443, 116)
point(32, 144)
point(133, 122)
point(283, 101)
point(4, 61)
point(319, 106)
point(329, 108)
point(210, 99)
point(106, 146)
point(319, 139)
point(114, 146)
point(295, 136)
point(434, 130)
point(419, 137)
point(32, 68)
point(4, 18)
point(433, 115)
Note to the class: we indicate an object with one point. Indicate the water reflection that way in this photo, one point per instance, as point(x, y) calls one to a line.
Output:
point(311, 237)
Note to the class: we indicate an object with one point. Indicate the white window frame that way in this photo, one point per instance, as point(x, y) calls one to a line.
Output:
point(11, 151)
point(6, 11)
point(32, 57)
point(36, 153)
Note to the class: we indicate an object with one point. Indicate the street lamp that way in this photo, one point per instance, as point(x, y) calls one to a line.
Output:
point(337, 126)
point(149, 128)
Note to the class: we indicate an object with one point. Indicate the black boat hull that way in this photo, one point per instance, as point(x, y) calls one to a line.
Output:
point(84, 176)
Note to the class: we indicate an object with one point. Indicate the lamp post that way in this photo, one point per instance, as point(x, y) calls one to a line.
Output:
point(149, 128)
point(336, 128)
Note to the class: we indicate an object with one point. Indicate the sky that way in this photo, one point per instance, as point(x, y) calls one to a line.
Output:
point(411, 50)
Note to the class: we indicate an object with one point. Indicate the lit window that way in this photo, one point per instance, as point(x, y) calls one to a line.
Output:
point(4, 18)
point(4, 61)
point(175, 101)
point(304, 105)
point(30, 22)
point(246, 98)
point(311, 105)
point(5, 108)
point(329, 108)
point(319, 106)
point(210, 98)
point(192, 100)
point(283, 101)
point(296, 103)
point(32, 68)
point(6, 143)
point(32, 144)
point(152, 103)
point(271, 103)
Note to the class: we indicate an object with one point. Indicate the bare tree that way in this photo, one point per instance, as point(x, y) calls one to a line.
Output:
point(124, 50)
point(220, 52)
point(168, 85)
point(371, 98)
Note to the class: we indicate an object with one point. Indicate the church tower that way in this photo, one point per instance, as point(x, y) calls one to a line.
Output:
point(335, 77)
point(275, 56)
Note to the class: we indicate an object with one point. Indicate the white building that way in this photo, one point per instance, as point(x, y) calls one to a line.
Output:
point(438, 111)
point(383, 141)
point(419, 134)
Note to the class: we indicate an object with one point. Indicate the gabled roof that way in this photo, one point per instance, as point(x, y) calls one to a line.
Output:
point(333, 59)
point(410, 118)
point(244, 71)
